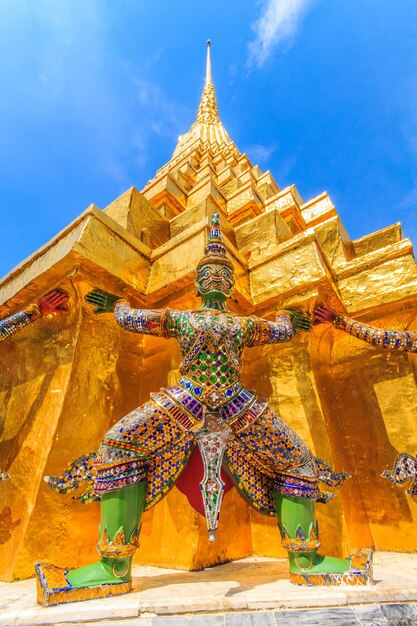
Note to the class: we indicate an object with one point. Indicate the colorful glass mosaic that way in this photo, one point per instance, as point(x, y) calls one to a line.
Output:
point(260, 452)
point(389, 339)
point(404, 470)
point(212, 343)
point(13, 324)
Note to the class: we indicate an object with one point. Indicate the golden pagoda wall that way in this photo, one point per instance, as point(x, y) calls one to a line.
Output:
point(65, 380)
point(370, 397)
point(68, 415)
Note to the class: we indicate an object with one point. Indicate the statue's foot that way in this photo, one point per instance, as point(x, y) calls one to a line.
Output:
point(327, 570)
point(318, 564)
point(56, 585)
point(100, 573)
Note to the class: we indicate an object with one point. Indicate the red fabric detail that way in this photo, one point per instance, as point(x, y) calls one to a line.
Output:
point(189, 481)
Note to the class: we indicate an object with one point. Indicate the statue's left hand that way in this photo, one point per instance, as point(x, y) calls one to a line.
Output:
point(299, 320)
point(53, 302)
point(103, 300)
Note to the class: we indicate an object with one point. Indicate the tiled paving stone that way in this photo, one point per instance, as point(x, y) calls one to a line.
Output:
point(317, 617)
point(139, 621)
point(356, 615)
point(170, 621)
point(164, 597)
point(370, 615)
point(207, 620)
point(249, 619)
point(401, 614)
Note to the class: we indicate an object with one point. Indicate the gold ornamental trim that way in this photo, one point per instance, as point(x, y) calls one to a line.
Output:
point(300, 543)
point(355, 579)
point(33, 312)
point(118, 548)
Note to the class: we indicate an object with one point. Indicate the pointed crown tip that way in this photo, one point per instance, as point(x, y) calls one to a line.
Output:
point(215, 243)
point(215, 251)
point(215, 218)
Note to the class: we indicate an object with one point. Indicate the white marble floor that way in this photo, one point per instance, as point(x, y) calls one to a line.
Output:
point(251, 584)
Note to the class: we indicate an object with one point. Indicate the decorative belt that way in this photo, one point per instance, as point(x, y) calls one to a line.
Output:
point(213, 397)
point(183, 407)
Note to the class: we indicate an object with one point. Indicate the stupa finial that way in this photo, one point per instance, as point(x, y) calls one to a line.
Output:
point(208, 112)
point(207, 127)
point(208, 64)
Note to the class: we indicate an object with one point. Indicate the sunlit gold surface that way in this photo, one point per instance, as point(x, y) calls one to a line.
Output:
point(64, 381)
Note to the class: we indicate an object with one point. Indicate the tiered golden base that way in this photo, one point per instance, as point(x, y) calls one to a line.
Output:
point(359, 573)
point(52, 587)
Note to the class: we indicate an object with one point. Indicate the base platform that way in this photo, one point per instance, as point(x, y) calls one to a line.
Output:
point(250, 592)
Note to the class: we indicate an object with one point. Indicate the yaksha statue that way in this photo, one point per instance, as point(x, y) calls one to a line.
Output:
point(53, 302)
point(405, 465)
point(142, 456)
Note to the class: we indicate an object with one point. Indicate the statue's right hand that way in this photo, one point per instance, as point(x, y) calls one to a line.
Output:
point(323, 314)
point(102, 300)
point(55, 301)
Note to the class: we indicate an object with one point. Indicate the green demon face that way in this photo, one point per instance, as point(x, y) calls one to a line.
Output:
point(214, 278)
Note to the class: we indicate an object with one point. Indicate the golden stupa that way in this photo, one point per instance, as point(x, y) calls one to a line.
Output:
point(64, 381)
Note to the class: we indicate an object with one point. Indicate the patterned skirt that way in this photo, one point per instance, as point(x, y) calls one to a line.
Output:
point(264, 455)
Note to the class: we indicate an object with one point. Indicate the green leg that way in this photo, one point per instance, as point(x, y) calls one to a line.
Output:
point(120, 510)
point(298, 523)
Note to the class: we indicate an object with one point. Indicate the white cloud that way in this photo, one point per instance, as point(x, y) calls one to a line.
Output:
point(164, 116)
point(232, 72)
point(409, 201)
point(278, 23)
point(405, 212)
point(74, 73)
point(260, 154)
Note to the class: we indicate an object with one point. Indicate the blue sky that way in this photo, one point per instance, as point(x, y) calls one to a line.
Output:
point(94, 93)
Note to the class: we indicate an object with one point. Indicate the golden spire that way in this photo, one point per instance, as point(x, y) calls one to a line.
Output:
point(208, 112)
point(208, 64)
point(207, 128)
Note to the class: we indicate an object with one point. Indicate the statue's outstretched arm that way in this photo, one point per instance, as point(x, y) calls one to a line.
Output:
point(52, 302)
point(13, 324)
point(286, 324)
point(262, 331)
point(389, 339)
point(144, 321)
